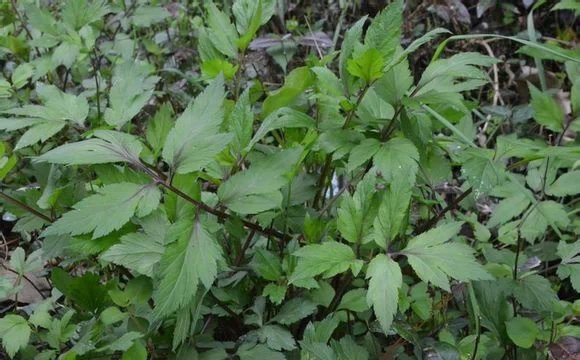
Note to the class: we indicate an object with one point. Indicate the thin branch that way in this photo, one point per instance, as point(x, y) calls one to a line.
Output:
point(222, 214)
point(434, 220)
point(327, 169)
point(21, 19)
point(245, 247)
point(96, 68)
point(25, 207)
point(28, 280)
point(345, 282)
point(227, 309)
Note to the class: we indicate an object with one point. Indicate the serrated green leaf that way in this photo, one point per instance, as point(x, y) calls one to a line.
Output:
point(258, 188)
point(571, 271)
point(351, 39)
point(362, 152)
point(112, 315)
point(434, 259)
point(255, 21)
point(383, 293)
point(15, 333)
point(280, 119)
point(194, 141)
point(214, 67)
point(329, 258)
point(21, 75)
point(158, 128)
point(258, 352)
point(393, 85)
point(293, 311)
point(393, 211)
point(86, 292)
point(108, 210)
point(137, 351)
point(354, 300)
point(397, 160)
point(23, 264)
point(384, 33)
point(540, 216)
point(535, 292)
point(108, 147)
point(240, 123)
point(277, 338)
point(416, 44)
point(508, 209)
point(327, 81)
point(367, 66)
point(374, 109)
point(146, 16)
point(245, 10)
point(45, 120)
point(275, 293)
point(191, 259)
point(222, 31)
point(567, 184)
point(122, 343)
point(482, 172)
point(547, 112)
point(267, 265)
point(570, 266)
point(141, 251)
point(348, 349)
point(522, 331)
point(41, 19)
point(295, 84)
point(356, 213)
point(463, 65)
point(77, 14)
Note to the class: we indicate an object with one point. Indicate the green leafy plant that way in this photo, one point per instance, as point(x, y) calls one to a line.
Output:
point(304, 220)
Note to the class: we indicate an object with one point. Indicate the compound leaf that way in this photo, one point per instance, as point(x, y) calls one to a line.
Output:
point(107, 210)
point(384, 284)
point(434, 259)
point(329, 258)
point(194, 141)
point(107, 147)
point(191, 259)
point(15, 333)
point(141, 251)
point(131, 89)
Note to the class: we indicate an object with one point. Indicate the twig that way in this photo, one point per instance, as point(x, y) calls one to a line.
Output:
point(345, 281)
point(65, 80)
point(388, 129)
point(96, 68)
point(497, 98)
point(27, 279)
point(340, 192)
point(227, 309)
point(451, 206)
point(327, 169)
point(245, 247)
point(221, 214)
point(21, 19)
point(496, 92)
point(25, 207)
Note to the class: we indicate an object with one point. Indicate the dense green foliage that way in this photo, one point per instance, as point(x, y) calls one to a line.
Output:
point(353, 211)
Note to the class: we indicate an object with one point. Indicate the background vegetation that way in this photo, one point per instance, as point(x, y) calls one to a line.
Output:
point(283, 179)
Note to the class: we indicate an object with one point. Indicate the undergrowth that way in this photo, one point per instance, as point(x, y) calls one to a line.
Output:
point(171, 203)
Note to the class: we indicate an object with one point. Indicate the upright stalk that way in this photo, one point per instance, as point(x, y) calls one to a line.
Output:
point(327, 168)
